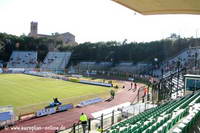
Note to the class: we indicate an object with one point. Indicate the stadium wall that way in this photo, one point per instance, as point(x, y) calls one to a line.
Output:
point(95, 83)
point(55, 76)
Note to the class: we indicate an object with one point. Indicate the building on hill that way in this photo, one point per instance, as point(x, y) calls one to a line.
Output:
point(67, 38)
point(34, 29)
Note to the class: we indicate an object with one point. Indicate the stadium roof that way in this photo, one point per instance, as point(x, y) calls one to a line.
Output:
point(153, 7)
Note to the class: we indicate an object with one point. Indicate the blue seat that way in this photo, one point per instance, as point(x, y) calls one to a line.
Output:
point(5, 116)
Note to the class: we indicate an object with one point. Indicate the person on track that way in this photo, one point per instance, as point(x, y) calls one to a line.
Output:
point(83, 119)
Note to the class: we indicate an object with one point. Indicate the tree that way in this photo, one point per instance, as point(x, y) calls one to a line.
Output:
point(99, 51)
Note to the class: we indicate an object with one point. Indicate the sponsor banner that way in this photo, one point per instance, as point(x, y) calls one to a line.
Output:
point(16, 70)
point(77, 75)
point(65, 107)
point(131, 79)
point(4, 116)
point(27, 116)
point(47, 111)
point(95, 83)
point(90, 101)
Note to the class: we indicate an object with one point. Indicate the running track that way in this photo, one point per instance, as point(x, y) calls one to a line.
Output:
point(67, 118)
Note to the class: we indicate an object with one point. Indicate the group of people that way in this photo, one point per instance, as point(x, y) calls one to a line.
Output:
point(135, 87)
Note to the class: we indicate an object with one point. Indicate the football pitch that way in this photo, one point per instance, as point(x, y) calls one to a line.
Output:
point(21, 90)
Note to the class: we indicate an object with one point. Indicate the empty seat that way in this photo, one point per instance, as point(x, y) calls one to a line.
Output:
point(23, 59)
point(56, 61)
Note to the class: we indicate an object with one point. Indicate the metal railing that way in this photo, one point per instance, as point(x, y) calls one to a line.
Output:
point(104, 122)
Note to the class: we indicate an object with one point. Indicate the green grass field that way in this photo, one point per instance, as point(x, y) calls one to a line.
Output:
point(23, 90)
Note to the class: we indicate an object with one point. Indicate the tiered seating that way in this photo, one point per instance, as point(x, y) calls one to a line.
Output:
point(186, 123)
point(130, 67)
point(125, 67)
point(23, 59)
point(56, 61)
point(161, 119)
point(185, 57)
point(125, 64)
point(91, 65)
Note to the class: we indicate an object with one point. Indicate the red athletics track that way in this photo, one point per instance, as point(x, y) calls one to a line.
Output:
point(67, 118)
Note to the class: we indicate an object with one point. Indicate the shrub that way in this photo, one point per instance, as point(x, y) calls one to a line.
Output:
point(110, 81)
point(74, 80)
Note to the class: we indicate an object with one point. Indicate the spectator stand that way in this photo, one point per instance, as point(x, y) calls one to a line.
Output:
point(56, 61)
point(23, 59)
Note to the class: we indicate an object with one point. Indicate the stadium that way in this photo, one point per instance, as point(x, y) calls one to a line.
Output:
point(48, 87)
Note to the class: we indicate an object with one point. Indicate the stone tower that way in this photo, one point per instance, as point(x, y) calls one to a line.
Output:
point(34, 29)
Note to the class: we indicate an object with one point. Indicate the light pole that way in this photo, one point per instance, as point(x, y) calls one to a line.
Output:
point(108, 56)
point(178, 67)
point(162, 72)
point(197, 33)
point(196, 55)
point(155, 63)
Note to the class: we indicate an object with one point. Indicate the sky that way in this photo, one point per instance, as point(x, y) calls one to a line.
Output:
point(93, 20)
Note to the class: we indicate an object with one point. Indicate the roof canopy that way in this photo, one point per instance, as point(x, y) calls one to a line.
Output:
point(152, 7)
